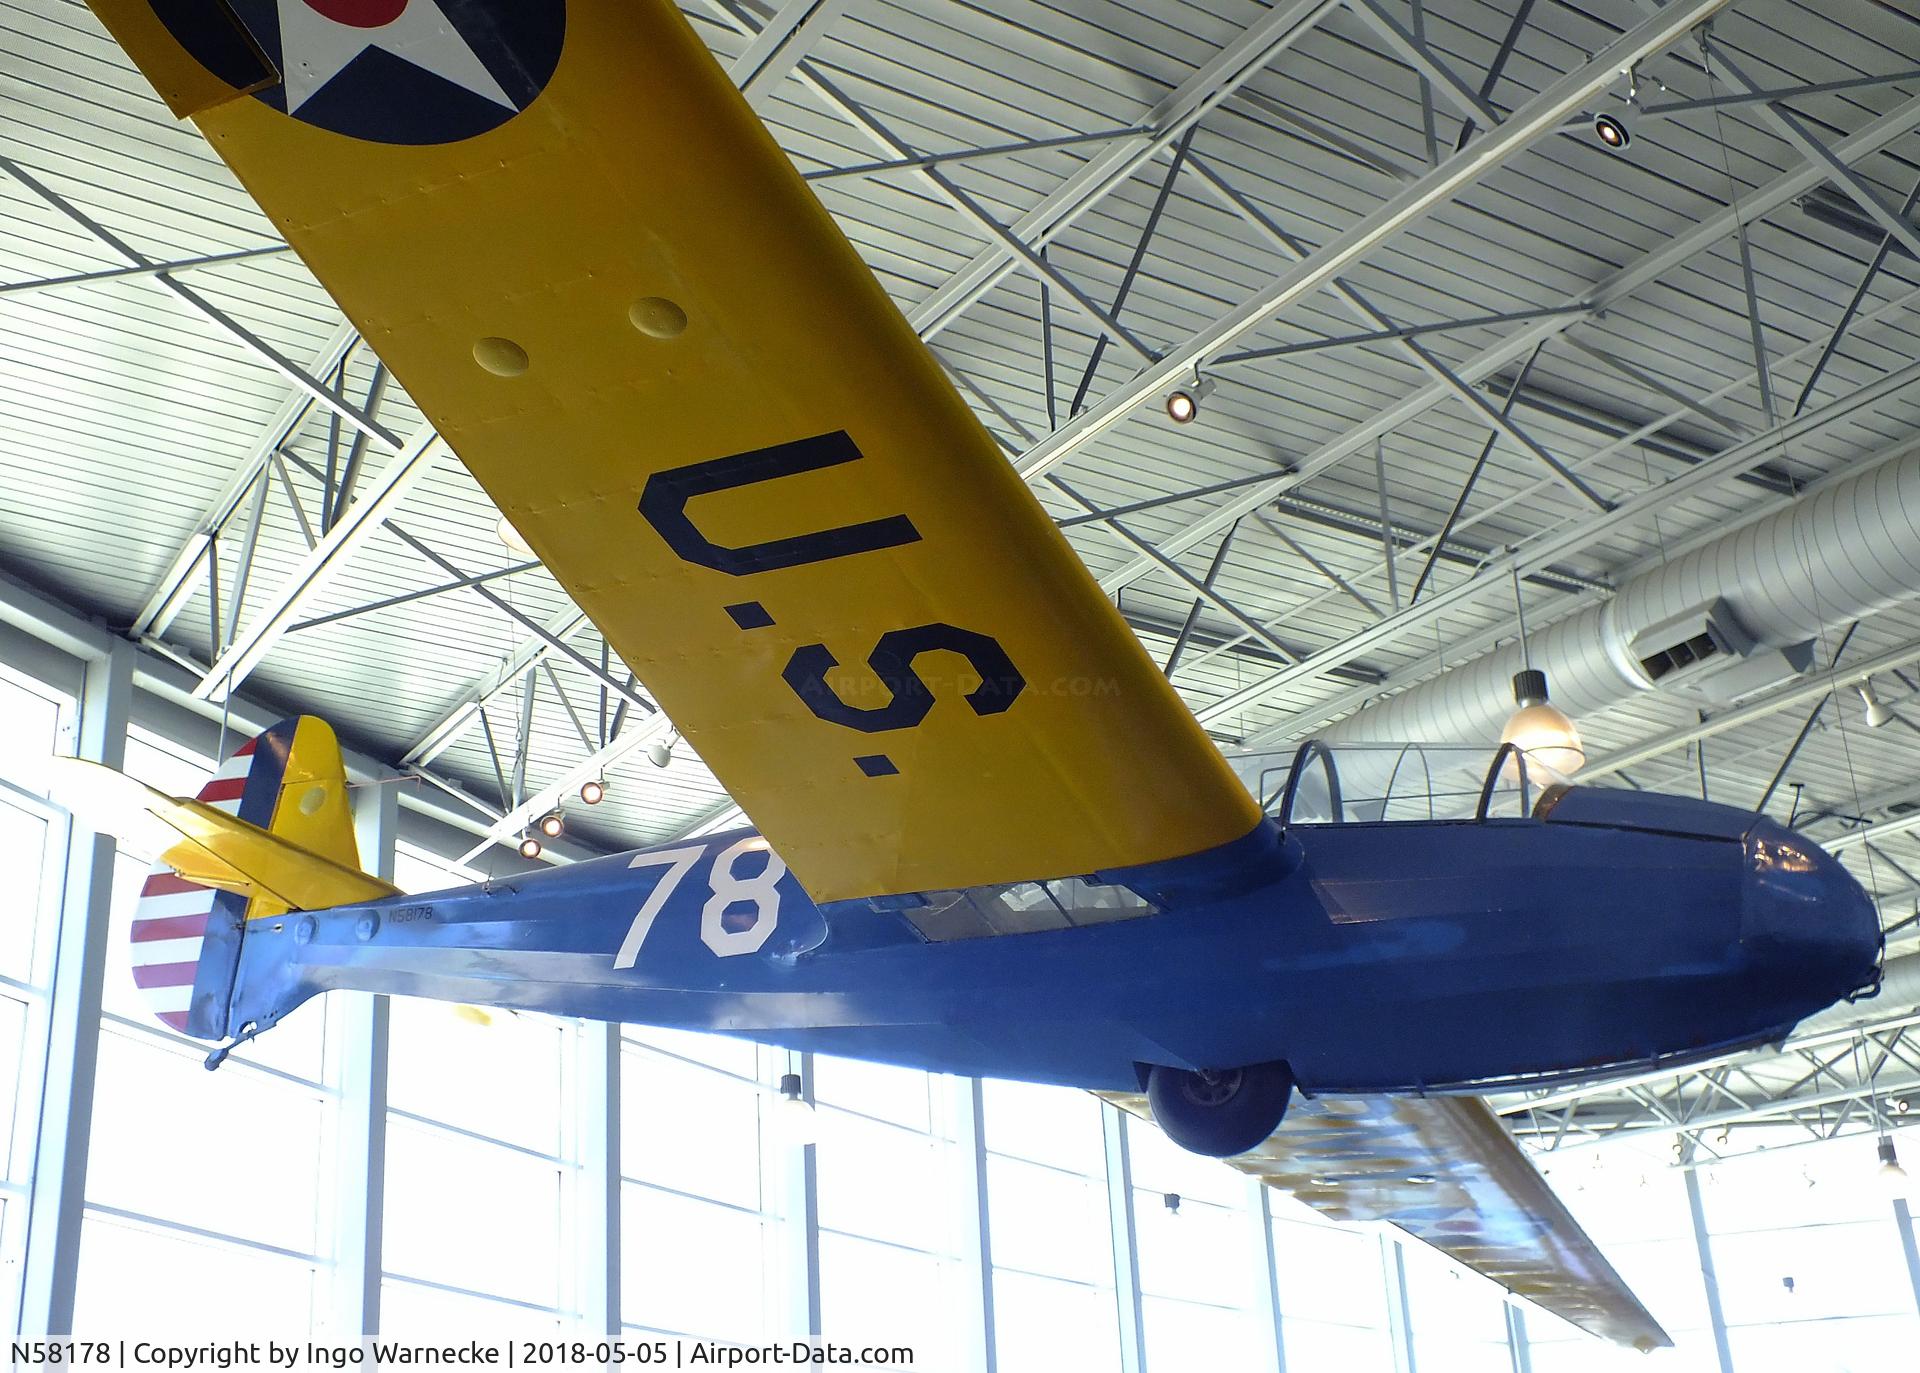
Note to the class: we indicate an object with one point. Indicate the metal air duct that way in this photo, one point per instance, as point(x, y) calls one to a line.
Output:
point(1730, 618)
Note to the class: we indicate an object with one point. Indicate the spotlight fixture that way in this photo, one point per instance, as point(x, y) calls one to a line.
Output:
point(529, 846)
point(1901, 1106)
point(594, 790)
point(1540, 729)
point(1892, 1176)
point(503, 530)
point(660, 752)
point(1612, 131)
point(552, 823)
point(798, 1123)
point(1183, 402)
point(1876, 710)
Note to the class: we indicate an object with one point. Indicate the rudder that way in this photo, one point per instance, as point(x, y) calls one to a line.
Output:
point(186, 936)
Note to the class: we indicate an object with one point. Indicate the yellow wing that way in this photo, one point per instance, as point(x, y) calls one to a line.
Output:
point(1445, 1170)
point(630, 318)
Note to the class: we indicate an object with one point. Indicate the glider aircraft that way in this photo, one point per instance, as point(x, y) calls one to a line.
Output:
point(989, 838)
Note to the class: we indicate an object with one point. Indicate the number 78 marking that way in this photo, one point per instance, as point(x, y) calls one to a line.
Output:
point(677, 862)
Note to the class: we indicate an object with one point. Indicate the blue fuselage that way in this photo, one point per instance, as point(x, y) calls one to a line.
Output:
point(1620, 930)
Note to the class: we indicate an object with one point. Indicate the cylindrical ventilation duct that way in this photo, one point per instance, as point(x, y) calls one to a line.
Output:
point(1899, 990)
point(1846, 551)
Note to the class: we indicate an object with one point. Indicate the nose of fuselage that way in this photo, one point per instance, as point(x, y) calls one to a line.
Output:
point(1806, 915)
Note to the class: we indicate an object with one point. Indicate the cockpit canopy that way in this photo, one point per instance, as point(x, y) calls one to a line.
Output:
point(1320, 783)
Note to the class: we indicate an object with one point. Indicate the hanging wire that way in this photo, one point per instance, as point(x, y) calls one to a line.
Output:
point(1801, 541)
point(1520, 609)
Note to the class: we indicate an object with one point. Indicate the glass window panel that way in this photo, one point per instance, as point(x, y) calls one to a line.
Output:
point(1836, 1270)
point(1200, 1253)
point(1044, 1325)
point(411, 1311)
point(1187, 1337)
point(901, 1095)
point(883, 1181)
point(29, 724)
point(880, 1294)
point(13, 1048)
point(151, 1284)
point(1046, 1221)
point(1458, 1319)
point(165, 765)
point(736, 1056)
point(696, 1268)
point(500, 1079)
point(1350, 1349)
point(1327, 1272)
point(1055, 1125)
point(471, 1214)
point(1867, 1345)
point(23, 857)
point(229, 1151)
point(690, 1127)
point(1816, 1185)
point(1160, 1165)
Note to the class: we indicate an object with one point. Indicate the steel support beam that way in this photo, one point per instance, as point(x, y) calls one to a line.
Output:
point(1238, 62)
point(185, 264)
point(554, 793)
point(1557, 547)
point(1537, 119)
point(779, 47)
point(1903, 1222)
point(416, 458)
point(1607, 293)
point(56, 1199)
point(182, 576)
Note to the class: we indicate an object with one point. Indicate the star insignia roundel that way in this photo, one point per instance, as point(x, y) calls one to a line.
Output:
point(389, 71)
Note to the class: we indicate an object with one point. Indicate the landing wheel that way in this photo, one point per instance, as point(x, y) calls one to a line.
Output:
point(1222, 1112)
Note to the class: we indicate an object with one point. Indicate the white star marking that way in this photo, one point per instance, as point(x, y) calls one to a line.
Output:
point(314, 49)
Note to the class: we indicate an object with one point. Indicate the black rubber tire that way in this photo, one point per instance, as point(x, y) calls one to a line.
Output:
point(1222, 1113)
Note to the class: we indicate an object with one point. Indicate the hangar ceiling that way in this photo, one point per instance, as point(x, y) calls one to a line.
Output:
point(1453, 339)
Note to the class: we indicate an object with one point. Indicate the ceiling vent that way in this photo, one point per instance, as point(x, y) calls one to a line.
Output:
point(1707, 653)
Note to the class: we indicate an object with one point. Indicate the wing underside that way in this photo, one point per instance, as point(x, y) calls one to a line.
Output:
point(1446, 1171)
point(622, 307)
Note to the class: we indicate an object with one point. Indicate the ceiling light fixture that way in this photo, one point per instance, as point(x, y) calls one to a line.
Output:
point(1612, 131)
point(660, 752)
point(552, 823)
point(1541, 731)
point(1183, 402)
point(529, 846)
point(594, 790)
point(1171, 1200)
point(1876, 710)
point(1892, 1176)
point(799, 1124)
point(503, 529)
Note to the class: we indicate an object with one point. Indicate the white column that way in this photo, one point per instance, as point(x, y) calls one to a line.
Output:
point(597, 1197)
point(1270, 1337)
point(976, 1239)
point(802, 1219)
point(1126, 1254)
point(1399, 1311)
point(363, 1035)
point(56, 1202)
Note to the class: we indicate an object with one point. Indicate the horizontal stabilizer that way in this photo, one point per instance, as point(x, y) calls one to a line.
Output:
point(209, 847)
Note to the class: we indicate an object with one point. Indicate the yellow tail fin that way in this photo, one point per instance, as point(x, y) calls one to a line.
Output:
point(271, 833)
